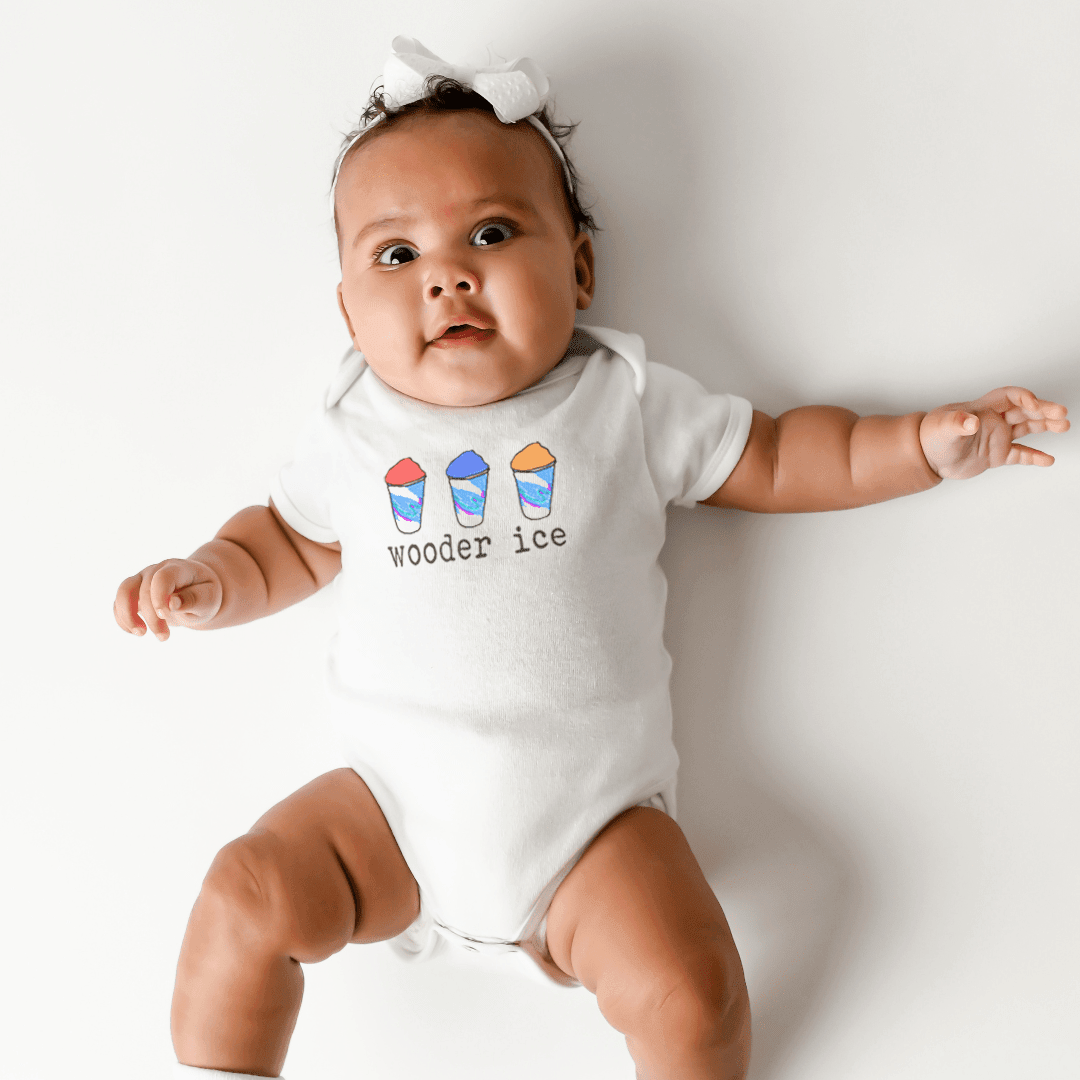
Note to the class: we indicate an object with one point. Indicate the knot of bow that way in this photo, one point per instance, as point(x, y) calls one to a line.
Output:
point(516, 90)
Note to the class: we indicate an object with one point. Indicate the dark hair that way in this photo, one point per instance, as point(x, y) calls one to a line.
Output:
point(443, 94)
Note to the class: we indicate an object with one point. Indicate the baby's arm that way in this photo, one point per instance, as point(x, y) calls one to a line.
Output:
point(826, 458)
point(256, 565)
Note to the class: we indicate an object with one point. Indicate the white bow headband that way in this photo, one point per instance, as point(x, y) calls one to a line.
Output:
point(516, 90)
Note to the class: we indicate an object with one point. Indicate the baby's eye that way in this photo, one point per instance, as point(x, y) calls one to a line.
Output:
point(493, 233)
point(396, 254)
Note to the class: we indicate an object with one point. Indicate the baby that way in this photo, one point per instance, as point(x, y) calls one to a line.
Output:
point(488, 483)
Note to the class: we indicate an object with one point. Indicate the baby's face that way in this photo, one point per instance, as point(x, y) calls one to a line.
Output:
point(460, 267)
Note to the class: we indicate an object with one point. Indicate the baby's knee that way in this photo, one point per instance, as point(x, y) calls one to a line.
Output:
point(714, 1016)
point(241, 895)
point(258, 899)
point(683, 1016)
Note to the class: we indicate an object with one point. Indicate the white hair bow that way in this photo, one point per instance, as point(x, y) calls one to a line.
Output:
point(516, 90)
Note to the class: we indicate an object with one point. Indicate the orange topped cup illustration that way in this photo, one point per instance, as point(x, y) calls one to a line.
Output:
point(534, 473)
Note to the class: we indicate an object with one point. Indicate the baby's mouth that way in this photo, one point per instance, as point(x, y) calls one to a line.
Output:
point(463, 332)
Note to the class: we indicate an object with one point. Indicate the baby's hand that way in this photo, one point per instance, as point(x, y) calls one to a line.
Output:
point(177, 592)
point(966, 438)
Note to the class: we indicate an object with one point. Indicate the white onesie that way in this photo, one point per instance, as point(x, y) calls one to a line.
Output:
point(499, 676)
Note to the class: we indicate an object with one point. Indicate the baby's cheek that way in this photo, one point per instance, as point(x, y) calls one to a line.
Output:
point(389, 326)
point(547, 301)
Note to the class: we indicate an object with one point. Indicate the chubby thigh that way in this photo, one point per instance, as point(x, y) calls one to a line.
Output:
point(636, 922)
point(333, 852)
point(317, 871)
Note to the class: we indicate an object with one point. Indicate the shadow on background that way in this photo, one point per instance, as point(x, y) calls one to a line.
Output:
point(790, 889)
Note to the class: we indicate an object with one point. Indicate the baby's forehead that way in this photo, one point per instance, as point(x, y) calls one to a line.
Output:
point(452, 158)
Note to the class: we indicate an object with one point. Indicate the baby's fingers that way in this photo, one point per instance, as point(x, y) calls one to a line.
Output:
point(1010, 399)
point(1022, 426)
point(147, 609)
point(185, 592)
point(1027, 455)
point(1030, 407)
point(126, 606)
point(198, 601)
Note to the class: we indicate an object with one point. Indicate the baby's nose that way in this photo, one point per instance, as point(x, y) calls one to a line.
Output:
point(462, 286)
point(451, 279)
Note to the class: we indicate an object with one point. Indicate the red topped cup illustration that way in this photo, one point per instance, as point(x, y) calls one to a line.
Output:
point(405, 482)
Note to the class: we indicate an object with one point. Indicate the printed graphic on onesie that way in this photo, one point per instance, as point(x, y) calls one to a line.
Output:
point(534, 473)
point(534, 477)
point(468, 476)
point(405, 482)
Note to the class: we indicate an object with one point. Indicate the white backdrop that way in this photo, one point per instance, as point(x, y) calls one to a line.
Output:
point(873, 205)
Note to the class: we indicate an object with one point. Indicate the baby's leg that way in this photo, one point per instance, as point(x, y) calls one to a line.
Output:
point(319, 870)
point(636, 923)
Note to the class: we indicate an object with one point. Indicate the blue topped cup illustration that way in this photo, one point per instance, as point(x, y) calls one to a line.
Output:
point(468, 476)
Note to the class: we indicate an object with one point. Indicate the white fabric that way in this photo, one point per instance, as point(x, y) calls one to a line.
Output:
point(190, 1072)
point(425, 936)
point(516, 90)
point(502, 687)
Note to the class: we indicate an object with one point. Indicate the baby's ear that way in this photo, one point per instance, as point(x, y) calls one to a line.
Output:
point(345, 316)
point(584, 270)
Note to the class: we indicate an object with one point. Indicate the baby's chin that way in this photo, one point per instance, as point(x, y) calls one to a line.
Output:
point(460, 380)
point(467, 393)
point(451, 392)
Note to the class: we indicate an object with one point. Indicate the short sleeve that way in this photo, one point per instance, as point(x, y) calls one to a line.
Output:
point(693, 439)
point(301, 490)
